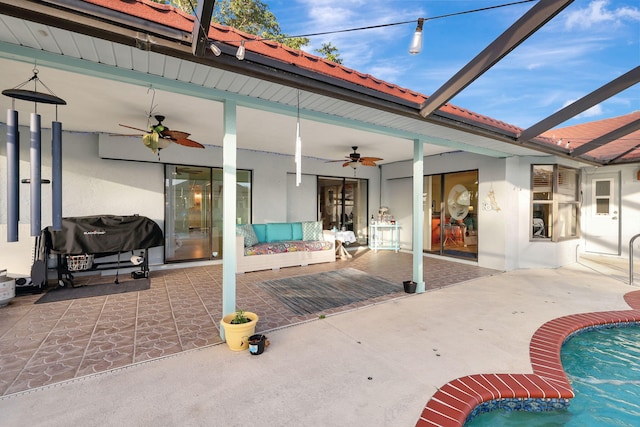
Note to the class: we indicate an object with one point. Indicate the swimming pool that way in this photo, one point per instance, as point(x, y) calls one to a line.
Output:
point(603, 366)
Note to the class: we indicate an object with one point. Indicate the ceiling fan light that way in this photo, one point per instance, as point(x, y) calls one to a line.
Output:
point(354, 165)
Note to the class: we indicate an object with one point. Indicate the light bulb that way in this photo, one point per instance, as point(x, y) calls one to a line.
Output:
point(240, 52)
point(416, 42)
point(215, 49)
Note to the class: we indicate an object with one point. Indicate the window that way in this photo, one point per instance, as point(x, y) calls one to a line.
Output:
point(555, 202)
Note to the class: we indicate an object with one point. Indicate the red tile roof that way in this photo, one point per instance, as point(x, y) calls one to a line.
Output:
point(178, 19)
point(578, 135)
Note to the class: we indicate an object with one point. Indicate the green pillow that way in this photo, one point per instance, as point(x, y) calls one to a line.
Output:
point(296, 227)
point(246, 231)
point(279, 232)
point(261, 232)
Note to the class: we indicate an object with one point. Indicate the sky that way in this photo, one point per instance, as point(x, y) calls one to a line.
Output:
point(586, 46)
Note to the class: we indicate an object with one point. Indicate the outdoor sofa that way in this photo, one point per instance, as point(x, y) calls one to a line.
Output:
point(277, 245)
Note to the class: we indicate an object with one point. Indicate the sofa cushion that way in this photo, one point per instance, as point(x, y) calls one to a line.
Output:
point(246, 231)
point(279, 232)
point(296, 228)
point(312, 230)
point(261, 232)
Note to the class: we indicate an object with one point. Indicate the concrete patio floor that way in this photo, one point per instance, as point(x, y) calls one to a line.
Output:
point(375, 365)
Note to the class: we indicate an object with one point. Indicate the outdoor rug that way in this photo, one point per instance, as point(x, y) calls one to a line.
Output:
point(94, 290)
point(312, 293)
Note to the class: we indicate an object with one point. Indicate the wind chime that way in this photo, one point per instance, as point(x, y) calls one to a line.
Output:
point(298, 154)
point(35, 180)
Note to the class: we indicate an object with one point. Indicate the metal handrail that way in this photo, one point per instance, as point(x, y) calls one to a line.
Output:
point(631, 258)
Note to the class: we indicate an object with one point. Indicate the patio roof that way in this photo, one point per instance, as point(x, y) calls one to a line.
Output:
point(113, 44)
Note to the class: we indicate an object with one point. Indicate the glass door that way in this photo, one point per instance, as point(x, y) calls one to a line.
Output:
point(193, 217)
point(188, 216)
point(343, 205)
point(451, 207)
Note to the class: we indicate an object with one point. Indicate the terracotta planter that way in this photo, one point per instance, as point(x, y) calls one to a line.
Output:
point(237, 335)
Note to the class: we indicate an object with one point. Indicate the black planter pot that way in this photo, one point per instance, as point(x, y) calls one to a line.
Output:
point(257, 344)
point(410, 286)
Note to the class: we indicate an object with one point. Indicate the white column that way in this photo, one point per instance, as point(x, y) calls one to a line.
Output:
point(229, 145)
point(418, 214)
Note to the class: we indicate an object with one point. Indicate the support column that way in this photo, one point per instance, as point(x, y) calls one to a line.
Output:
point(418, 214)
point(229, 146)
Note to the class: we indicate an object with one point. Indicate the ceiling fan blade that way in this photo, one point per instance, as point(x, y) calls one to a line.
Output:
point(175, 134)
point(131, 127)
point(344, 165)
point(187, 142)
point(125, 134)
point(367, 162)
point(372, 159)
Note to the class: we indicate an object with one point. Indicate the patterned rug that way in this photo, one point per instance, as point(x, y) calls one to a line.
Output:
point(313, 293)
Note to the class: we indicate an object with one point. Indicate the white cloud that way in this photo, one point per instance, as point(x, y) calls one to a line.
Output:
point(597, 13)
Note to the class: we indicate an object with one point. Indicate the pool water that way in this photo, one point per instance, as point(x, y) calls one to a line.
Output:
point(603, 366)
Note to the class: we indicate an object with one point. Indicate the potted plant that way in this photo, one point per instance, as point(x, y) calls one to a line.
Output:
point(238, 327)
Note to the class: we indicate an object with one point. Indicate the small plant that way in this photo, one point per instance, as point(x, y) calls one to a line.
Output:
point(240, 318)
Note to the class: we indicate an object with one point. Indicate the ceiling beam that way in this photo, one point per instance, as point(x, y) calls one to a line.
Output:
point(612, 88)
point(524, 27)
point(200, 36)
point(607, 138)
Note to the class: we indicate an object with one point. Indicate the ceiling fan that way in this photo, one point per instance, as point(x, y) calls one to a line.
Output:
point(159, 136)
point(355, 159)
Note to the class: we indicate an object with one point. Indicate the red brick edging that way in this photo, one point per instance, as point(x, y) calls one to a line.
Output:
point(452, 403)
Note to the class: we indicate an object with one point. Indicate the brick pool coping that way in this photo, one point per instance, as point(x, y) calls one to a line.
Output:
point(452, 404)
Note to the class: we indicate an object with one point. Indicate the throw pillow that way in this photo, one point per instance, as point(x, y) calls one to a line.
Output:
point(261, 232)
point(246, 231)
point(279, 232)
point(312, 230)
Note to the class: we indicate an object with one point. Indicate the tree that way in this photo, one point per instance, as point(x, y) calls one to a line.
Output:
point(254, 17)
point(330, 52)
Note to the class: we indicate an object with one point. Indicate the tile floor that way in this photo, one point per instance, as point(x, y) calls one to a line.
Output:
point(42, 344)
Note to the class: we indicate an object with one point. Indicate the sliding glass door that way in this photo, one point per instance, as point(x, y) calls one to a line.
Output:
point(343, 205)
point(451, 214)
point(193, 214)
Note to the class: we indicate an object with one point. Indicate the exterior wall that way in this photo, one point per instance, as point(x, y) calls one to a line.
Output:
point(629, 201)
point(503, 236)
point(119, 176)
point(397, 188)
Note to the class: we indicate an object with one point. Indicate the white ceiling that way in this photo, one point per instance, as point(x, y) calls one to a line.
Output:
point(107, 84)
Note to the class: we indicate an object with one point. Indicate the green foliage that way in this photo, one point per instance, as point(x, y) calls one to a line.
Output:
point(240, 318)
point(254, 17)
point(330, 52)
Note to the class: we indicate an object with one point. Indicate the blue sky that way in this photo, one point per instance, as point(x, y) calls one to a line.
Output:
point(589, 44)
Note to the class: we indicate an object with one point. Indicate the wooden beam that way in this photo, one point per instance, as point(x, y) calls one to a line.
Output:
point(623, 82)
point(200, 34)
point(524, 27)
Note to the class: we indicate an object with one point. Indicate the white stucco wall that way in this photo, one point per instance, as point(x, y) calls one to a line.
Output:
point(492, 235)
point(119, 176)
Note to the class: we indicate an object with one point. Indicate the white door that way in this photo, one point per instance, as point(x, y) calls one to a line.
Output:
point(602, 232)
